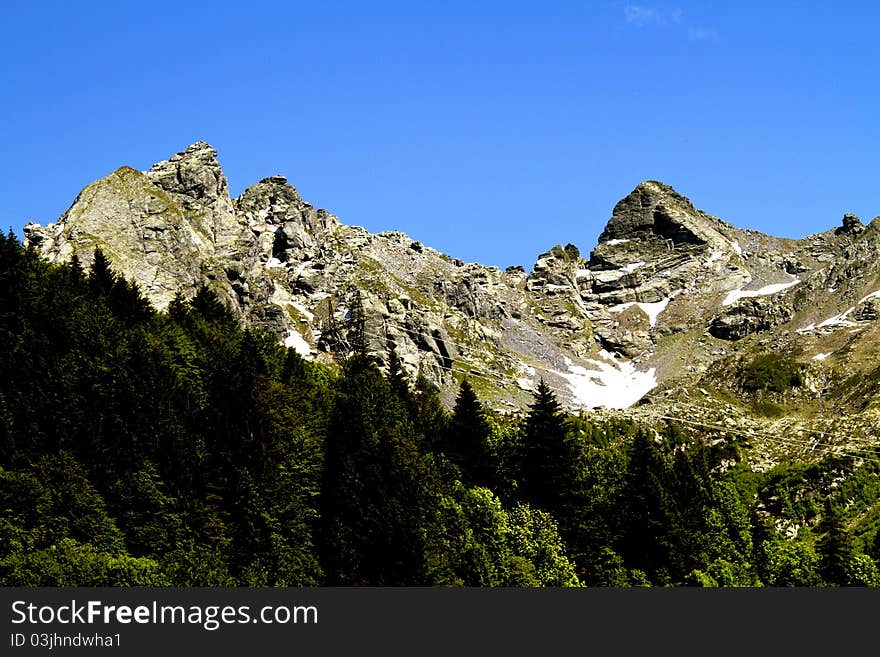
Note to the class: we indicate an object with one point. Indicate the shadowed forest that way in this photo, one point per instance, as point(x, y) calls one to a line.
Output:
point(145, 448)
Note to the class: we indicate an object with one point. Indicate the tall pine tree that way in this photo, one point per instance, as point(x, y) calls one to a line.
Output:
point(648, 516)
point(546, 457)
point(836, 549)
point(467, 439)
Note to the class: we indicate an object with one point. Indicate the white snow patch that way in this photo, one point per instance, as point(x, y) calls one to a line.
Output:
point(821, 356)
point(736, 295)
point(715, 256)
point(614, 385)
point(619, 308)
point(613, 242)
point(630, 268)
point(274, 263)
point(296, 341)
point(838, 320)
point(869, 296)
point(652, 310)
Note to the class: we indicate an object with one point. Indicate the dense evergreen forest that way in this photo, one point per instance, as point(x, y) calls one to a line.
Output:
point(179, 448)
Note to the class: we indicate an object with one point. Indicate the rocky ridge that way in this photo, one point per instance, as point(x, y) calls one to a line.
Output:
point(669, 306)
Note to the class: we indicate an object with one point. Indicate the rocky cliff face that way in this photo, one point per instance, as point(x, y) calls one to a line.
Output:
point(670, 300)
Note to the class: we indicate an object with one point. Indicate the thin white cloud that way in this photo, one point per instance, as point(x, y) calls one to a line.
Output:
point(702, 34)
point(646, 16)
point(641, 16)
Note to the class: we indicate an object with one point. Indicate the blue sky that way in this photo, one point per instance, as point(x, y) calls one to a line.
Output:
point(489, 130)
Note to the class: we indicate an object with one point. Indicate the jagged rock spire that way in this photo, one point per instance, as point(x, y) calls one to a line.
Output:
point(654, 208)
point(194, 172)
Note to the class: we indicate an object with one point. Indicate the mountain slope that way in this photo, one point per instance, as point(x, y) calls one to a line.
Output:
point(670, 297)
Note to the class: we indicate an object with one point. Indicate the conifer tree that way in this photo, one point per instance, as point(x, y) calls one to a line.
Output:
point(102, 278)
point(467, 440)
point(546, 458)
point(356, 327)
point(129, 303)
point(647, 506)
point(836, 549)
point(430, 418)
point(209, 306)
point(397, 378)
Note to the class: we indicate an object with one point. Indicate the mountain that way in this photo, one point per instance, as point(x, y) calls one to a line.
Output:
point(674, 309)
point(721, 389)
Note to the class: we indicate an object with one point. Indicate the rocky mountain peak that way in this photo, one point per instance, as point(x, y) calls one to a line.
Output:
point(657, 244)
point(272, 197)
point(655, 211)
point(667, 291)
point(194, 173)
point(851, 225)
point(297, 224)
